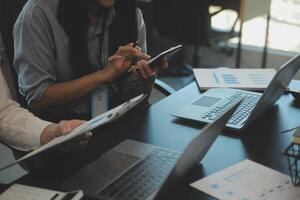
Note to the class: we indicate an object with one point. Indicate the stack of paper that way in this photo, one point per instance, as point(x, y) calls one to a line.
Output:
point(247, 79)
point(248, 181)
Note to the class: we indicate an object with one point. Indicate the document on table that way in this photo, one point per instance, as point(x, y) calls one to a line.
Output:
point(24, 192)
point(248, 79)
point(105, 118)
point(248, 181)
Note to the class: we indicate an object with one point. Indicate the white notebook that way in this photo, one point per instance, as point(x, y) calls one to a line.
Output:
point(247, 79)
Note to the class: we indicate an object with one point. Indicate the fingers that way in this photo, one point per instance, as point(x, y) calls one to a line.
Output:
point(143, 70)
point(143, 56)
point(88, 136)
point(85, 139)
point(115, 58)
point(134, 70)
point(76, 123)
point(78, 143)
point(164, 64)
point(115, 67)
point(140, 55)
point(134, 45)
point(147, 69)
point(130, 52)
point(68, 126)
point(128, 49)
point(138, 48)
point(161, 66)
point(82, 140)
point(64, 128)
point(119, 63)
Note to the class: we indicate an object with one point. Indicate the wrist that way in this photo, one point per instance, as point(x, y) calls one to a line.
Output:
point(49, 133)
point(101, 77)
point(107, 74)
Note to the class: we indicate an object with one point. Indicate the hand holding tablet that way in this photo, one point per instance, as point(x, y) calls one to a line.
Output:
point(168, 54)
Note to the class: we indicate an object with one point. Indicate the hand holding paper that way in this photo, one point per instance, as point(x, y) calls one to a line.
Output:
point(88, 126)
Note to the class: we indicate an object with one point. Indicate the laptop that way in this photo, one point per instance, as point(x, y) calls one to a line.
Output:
point(134, 170)
point(214, 102)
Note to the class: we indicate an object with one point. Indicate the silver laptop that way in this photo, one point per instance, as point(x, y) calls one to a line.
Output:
point(134, 170)
point(214, 102)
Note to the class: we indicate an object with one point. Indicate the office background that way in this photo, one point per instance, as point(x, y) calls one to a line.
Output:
point(283, 40)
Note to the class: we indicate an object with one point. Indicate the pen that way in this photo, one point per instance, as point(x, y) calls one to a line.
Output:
point(134, 44)
point(134, 60)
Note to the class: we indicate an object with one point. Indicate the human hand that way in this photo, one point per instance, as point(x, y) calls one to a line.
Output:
point(63, 128)
point(132, 53)
point(121, 61)
point(114, 68)
point(143, 70)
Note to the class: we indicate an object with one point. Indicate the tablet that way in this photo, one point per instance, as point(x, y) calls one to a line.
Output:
point(154, 62)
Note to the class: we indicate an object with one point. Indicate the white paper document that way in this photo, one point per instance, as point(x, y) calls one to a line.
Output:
point(88, 126)
point(248, 181)
point(247, 79)
point(23, 192)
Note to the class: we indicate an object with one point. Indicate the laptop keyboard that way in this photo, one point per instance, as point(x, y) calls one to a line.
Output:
point(246, 107)
point(144, 178)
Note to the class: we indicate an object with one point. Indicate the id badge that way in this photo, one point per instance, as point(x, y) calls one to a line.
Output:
point(99, 101)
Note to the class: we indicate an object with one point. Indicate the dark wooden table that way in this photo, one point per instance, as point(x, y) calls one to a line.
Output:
point(262, 142)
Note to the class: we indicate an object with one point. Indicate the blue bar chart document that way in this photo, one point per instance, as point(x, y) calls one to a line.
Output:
point(248, 79)
point(248, 181)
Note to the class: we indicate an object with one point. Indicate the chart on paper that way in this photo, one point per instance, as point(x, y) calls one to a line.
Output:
point(254, 78)
point(251, 79)
point(248, 181)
